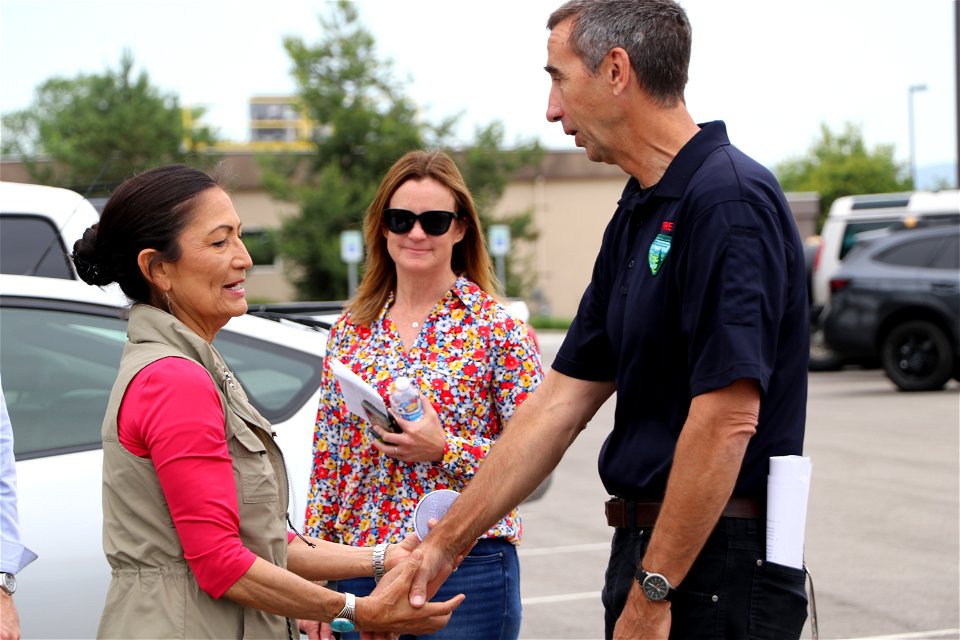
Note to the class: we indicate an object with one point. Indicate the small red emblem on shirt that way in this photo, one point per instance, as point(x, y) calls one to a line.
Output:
point(666, 226)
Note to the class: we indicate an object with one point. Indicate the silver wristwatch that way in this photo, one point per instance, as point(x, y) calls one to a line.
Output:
point(655, 586)
point(8, 582)
point(379, 561)
point(346, 620)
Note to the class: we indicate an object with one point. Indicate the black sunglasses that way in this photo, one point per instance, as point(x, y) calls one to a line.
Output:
point(435, 223)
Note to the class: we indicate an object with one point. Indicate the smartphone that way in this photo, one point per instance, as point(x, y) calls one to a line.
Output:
point(383, 420)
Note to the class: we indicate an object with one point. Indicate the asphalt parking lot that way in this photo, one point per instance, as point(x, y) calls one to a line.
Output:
point(882, 538)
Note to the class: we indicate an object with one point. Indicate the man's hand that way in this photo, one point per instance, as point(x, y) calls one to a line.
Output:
point(9, 619)
point(434, 569)
point(642, 618)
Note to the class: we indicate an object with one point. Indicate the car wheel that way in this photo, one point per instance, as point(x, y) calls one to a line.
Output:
point(917, 357)
point(821, 357)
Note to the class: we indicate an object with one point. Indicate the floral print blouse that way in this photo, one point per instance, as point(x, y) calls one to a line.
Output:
point(472, 360)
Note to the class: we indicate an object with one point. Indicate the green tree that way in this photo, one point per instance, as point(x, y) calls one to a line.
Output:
point(839, 164)
point(363, 124)
point(96, 130)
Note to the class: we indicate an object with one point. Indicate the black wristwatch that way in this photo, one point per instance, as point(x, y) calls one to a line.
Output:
point(655, 586)
point(8, 582)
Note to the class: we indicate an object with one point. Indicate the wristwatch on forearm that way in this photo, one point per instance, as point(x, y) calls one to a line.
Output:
point(379, 561)
point(8, 582)
point(655, 586)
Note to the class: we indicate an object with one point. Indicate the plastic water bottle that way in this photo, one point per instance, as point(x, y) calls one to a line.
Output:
point(405, 399)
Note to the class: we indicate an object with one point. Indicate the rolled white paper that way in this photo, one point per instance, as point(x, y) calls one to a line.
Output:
point(788, 488)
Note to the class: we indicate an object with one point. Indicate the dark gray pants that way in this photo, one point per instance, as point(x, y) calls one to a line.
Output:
point(731, 592)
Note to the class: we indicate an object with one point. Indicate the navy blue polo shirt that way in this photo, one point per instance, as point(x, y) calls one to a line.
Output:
point(699, 283)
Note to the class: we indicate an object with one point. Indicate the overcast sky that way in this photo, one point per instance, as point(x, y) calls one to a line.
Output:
point(773, 70)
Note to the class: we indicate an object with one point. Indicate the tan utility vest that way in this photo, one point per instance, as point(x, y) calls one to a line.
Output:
point(153, 593)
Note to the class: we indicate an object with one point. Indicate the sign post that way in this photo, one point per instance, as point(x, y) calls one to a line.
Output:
point(498, 238)
point(351, 252)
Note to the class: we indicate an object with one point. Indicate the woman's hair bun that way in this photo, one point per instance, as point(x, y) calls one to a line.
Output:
point(86, 260)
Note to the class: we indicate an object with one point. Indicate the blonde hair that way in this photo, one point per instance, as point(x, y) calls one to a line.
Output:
point(470, 257)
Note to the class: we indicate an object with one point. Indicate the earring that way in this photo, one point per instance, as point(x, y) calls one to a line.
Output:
point(169, 304)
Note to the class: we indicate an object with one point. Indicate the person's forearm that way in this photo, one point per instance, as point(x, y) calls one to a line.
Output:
point(536, 437)
point(268, 587)
point(328, 560)
point(706, 464)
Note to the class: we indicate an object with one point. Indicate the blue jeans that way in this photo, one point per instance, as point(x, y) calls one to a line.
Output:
point(489, 577)
point(730, 592)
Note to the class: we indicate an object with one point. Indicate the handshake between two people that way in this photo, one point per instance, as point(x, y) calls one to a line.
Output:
point(400, 603)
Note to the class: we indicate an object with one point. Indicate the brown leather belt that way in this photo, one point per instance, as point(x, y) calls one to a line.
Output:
point(645, 513)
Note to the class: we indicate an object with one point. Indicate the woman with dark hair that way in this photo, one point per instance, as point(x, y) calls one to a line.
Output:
point(194, 486)
point(425, 310)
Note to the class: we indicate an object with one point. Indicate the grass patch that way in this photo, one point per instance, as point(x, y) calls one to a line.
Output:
point(550, 322)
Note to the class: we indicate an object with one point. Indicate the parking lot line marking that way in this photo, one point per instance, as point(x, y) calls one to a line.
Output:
point(563, 597)
point(945, 634)
point(570, 548)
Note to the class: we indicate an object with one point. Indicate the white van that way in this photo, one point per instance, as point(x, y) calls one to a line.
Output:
point(851, 215)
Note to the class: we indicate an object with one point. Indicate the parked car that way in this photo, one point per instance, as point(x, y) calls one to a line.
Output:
point(325, 314)
point(896, 297)
point(61, 347)
point(850, 216)
point(38, 226)
point(61, 343)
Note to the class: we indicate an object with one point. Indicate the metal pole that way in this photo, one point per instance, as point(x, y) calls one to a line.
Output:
point(351, 279)
point(913, 165)
point(501, 272)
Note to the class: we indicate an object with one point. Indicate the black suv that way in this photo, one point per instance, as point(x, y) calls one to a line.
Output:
point(896, 297)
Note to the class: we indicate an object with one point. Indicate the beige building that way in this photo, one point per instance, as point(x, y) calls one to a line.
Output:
point(571, 197)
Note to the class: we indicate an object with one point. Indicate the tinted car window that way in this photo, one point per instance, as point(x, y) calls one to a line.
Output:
point(31, 246)
point(59, 364)
point(58, 368)
point(912, 253)
point(949, 256)
point(852, 229)
point(277, 380)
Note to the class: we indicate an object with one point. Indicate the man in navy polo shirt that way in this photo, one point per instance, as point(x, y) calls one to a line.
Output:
point(696, 317)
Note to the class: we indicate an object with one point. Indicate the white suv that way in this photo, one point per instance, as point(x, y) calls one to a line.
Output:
point(36, 222)
point(852, 215)
point(61, 347)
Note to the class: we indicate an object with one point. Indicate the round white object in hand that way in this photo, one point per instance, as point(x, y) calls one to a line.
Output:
point(432, 506)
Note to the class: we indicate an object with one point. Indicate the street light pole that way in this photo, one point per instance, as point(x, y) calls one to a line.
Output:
point(914, 88)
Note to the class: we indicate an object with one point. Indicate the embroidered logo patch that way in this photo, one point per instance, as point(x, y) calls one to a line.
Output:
point(658, 252)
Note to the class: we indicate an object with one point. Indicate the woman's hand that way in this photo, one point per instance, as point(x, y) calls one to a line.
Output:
point(424, 440)
point(388, 609)
point(315, 630)
point(397, 553)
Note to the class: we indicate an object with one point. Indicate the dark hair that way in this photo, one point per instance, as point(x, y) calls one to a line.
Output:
point(656, 35)
point(148, 211)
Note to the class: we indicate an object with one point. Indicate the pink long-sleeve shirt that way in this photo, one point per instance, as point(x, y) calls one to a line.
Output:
point(171, 413)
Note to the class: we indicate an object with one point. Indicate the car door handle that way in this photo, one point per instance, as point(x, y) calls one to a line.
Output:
point(943, 287)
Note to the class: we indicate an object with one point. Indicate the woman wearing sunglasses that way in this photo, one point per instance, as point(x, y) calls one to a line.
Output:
point(425, 309)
